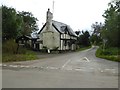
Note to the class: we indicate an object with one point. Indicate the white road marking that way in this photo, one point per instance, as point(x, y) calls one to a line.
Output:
point(53, 68)
point(86, 59)
point(41, 67)
point(47, 67)
point(79, 69)
point(0, 65)
point(66, 63)
point(4, 65)
point(27, 66)
point(10, 65)
point(109, 69)
point(91, 68)
point(21, 66)
point(14, 66)
point(34, 67)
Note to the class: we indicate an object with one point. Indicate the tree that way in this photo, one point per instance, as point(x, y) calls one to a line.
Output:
point(97, 28)
point(96, 35)
point(10, 23)
point(95, 39)
point(29, 23)
point(112, 24)
point(83, 39)
point(77, 32)
point(16, 24)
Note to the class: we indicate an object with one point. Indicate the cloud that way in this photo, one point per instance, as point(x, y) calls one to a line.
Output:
point(79, 14)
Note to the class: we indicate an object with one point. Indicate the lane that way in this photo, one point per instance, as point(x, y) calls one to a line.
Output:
point(70, 70)
point(74, 61)
point(56, 79)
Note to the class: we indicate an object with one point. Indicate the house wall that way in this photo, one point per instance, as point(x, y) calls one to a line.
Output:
point(63, 46)
point(50, 38)
point(65, 36)
point(67, 47)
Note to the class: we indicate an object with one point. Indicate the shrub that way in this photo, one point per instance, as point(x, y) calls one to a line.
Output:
point(106, 52)
point(9, 46)
point(21, 50)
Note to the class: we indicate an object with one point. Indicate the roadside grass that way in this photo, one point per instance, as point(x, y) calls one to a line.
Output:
point(27, 55)
point(111, 53)
point(11, 52)
point(83, 48)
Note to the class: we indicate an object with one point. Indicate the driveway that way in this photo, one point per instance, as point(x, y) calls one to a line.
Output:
point(69, 70)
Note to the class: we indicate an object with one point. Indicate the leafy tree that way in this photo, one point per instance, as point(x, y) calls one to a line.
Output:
point(77, 32)
point(96, 35)
point(29, 23)
point(97, 27)
point(10, 23)
point(112, 24)
point(95, 39)
point(83, 39)
point(15, 23)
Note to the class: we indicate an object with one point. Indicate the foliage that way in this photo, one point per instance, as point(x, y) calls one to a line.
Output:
point(10, 23)
point(29, 23)
point(112, 24)
point(110, 33)
point(77, 32)
point(83, 39)
point(96, 35)
point(16, 24)
point(109, 53)
point(95, 39)
point(97, 27)
point(9, 46)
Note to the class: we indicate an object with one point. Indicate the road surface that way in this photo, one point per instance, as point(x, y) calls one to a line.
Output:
point(70, 70)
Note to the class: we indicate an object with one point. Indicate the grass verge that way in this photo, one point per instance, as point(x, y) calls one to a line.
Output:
point(110, 53)
point(83, 48)
point(28, 55)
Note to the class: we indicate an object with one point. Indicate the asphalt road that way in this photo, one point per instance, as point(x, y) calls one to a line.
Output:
point(70, 70)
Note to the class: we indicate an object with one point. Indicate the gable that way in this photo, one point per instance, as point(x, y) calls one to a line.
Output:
point(45, 26)
point(42, 28)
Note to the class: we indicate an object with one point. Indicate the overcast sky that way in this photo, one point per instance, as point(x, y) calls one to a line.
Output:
point(79, 14)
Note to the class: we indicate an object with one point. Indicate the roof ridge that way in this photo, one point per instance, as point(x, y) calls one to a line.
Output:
point(59, 22)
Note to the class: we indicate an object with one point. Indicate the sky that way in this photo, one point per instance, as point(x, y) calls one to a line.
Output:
point(79, 14)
